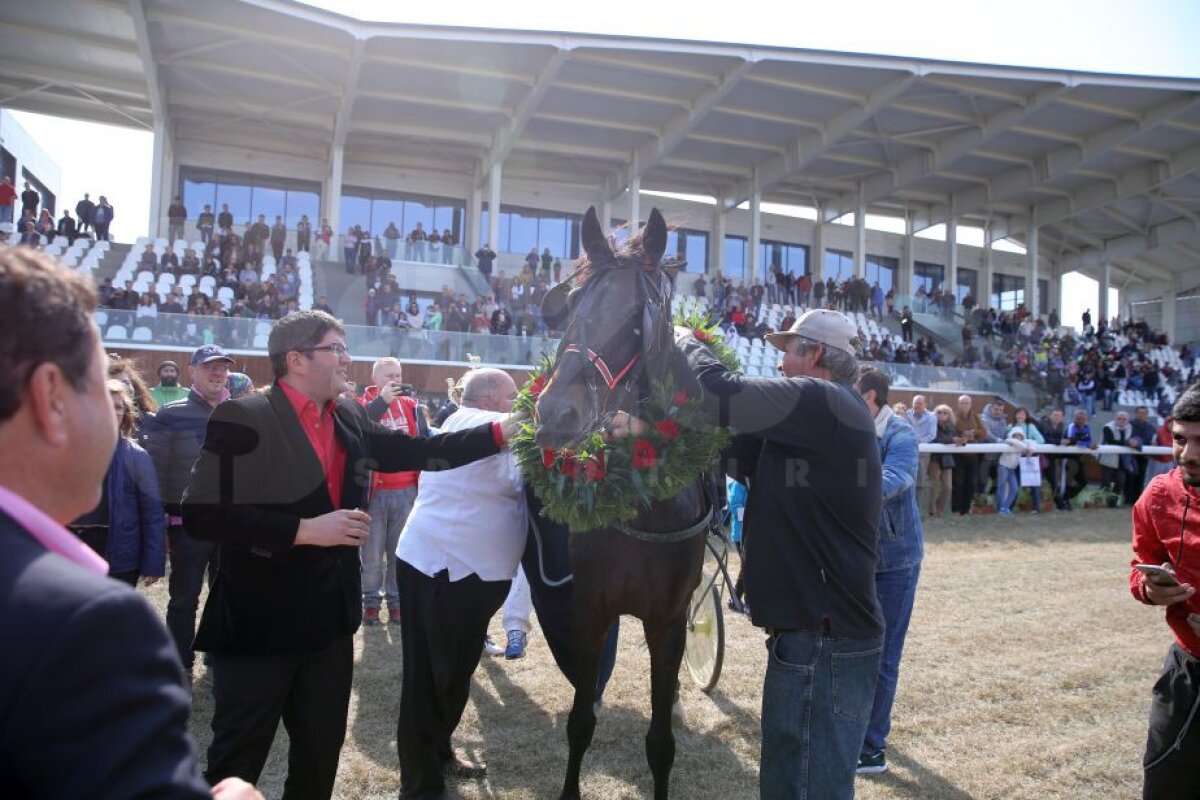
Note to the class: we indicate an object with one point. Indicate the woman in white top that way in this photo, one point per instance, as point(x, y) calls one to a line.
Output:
point(148, 307)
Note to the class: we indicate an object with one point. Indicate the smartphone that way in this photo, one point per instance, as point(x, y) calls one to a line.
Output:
point(1160, 575)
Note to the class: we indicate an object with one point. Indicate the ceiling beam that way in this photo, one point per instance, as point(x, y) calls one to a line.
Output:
point(319, 44)
point(571, 119)
point(277, 78)
point(812, 146)
point(341, 125)
point(950, 150)
point(102, 83)
point(506, 136)
point(1064, 160)
point(1124, 248)
point(70, 38)
point(154, 85)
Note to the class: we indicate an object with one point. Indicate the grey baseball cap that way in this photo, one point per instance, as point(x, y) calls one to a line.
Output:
point(823, 326)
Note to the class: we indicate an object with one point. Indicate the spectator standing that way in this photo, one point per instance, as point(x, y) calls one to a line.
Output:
point(176, 219)
point(303, 234)
point(1120, 469)
point(66, 226)
point(1078, 434)
point(281, 616)
point(901, 549)
point(174, 446)
point(1160, 465)
point(84, 211)
point(168, 389)
point(392, 493)
point(350, 249)
point(996, 423)
point(1144, 433)
point(941, 465)
point(924, 423)
point(64, 732)
point(968, 430)
point(810, 549)
point(278, 237)
point(30, 198)
point(1008, 483)
point(906, 324)
point(1171, 767)
point(486, 257)
point(8, 198)
point(225, 218)
point(205, 223)
point(456, 560)
point(126, 529)
point(102, 217)
point(1054, 430)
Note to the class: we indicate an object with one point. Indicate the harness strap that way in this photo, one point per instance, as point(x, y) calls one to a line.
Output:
point(666, 538)
point(610, 380)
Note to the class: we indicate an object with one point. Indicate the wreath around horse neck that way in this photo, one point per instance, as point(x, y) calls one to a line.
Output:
point(599, 482)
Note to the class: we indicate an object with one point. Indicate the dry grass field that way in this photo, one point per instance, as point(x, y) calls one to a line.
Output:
point(1027, 675)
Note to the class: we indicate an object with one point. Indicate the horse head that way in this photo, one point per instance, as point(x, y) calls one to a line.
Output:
point(615, 316)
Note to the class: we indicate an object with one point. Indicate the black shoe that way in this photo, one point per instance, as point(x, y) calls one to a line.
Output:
point(459, 767)
point(872, 763)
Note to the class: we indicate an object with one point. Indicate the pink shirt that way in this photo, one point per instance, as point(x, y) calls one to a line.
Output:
point(50, 534)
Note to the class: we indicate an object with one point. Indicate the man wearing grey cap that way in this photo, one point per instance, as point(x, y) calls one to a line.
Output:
point(174, 445)
point(810, 536)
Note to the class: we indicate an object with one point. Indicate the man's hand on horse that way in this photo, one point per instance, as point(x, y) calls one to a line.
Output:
point(623, 424)
point(511, 425)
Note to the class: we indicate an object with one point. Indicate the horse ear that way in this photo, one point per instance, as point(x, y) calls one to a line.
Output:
point(595, 241)
point(654, 237)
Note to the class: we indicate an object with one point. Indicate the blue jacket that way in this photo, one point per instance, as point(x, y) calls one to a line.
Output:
point(137, 526)
point(901, 538)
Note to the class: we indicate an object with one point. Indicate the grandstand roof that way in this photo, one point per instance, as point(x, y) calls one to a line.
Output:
point(1107, 165)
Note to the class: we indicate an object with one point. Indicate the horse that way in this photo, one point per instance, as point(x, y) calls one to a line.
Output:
point(618, 335)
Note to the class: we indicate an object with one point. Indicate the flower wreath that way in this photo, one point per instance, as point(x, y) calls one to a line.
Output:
point(601, 481)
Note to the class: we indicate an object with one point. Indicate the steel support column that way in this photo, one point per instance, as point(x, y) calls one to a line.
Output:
point(860, 235)
point(1105, 282)
point(717, 246)
point(495, 176)
point(752, 265)
point(333, 196)
point(1031, 256)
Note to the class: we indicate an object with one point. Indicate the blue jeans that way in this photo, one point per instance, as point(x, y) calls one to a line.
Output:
point(1008, 486)
point(896, 590)
point(816, 705)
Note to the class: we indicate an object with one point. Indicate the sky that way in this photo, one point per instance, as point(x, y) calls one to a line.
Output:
point(1151, 37)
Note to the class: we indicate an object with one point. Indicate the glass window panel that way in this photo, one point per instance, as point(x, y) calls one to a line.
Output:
point(929, 276)
point(237, 196)
point(839, 264)
point(522, 233)
point(552, 233)
point(697, 252)
point(1008, 291)
point(797, 259)
point(299, 203)
point(355, 210)
point(384, 212)
point(414, 212)
point(484, 230)
point(881, 270)
point(505, 228)
point(968, 283)
point(269, 202)
point(673, 240)
point(198, 193)
point(735, 257)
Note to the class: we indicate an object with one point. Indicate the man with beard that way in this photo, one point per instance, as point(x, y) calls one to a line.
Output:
point(1160, 536)
point(168, 389)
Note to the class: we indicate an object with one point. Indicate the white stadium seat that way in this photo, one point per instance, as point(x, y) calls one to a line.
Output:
point(143, 334)
point(116, 332)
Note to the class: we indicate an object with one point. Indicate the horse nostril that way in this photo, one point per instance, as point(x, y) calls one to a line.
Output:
point(567, 420)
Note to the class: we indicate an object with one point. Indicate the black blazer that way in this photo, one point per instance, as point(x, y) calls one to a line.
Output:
point(270, 596)
point(92, 698)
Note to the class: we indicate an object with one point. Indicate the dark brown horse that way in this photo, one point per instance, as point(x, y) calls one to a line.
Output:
point(618, 336)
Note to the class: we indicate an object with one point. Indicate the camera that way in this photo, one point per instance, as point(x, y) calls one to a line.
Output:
point(406, 390)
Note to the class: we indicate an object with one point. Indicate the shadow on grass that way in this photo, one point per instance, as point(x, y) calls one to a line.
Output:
point(377, 685)
point(532, 741)
point(917, 780)
point(1049, 527)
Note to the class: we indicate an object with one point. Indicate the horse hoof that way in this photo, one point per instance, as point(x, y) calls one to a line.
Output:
point(678, 716)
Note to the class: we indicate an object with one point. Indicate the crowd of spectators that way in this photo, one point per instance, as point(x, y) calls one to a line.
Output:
point(35, 227)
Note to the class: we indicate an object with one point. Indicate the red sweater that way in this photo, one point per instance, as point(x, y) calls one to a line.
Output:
point(400, 416)
point(1167, 511)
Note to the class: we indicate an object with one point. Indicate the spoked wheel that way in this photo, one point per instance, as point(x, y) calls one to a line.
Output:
point(704, 649)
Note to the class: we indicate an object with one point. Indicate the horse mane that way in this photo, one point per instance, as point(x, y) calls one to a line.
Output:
point(632, 254)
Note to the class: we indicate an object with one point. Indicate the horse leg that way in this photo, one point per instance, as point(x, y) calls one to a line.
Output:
point(581, 724)
point(666, 643)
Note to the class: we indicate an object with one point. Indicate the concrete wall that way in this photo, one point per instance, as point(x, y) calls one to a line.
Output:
point(17, 141)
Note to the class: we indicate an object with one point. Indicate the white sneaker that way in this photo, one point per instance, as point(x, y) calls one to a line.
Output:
point(491, 648)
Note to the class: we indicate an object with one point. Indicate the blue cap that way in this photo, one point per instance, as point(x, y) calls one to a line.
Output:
point(209, 352)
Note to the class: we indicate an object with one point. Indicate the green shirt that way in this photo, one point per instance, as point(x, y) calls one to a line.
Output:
point(167, 394)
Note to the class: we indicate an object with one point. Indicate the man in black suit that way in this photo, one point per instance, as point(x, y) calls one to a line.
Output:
point(92, 699)
point(278, 486)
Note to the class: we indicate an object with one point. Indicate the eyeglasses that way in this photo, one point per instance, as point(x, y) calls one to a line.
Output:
point(336, 348)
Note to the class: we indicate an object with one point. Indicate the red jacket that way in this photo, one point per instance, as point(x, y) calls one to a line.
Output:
point(400, 416)
point(1161, 516)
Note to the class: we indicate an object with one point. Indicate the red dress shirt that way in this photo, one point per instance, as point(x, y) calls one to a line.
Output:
point(318, 426)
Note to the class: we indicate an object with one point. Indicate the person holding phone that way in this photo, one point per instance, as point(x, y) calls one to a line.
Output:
point(1165, 572)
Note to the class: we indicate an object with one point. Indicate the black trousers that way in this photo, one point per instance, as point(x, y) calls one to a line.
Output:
point(189, 559)
point(309, 692)
point(1172, 760)
point(442, 625)
point(966, 473)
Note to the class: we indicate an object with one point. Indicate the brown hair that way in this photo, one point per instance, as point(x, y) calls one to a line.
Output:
point(47, 318)
point(141, 392)
point(129, 420)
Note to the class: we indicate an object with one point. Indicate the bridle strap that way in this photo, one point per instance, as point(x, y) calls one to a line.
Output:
point(610, 380)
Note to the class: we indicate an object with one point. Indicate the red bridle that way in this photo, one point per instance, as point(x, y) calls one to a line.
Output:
point(610, 380)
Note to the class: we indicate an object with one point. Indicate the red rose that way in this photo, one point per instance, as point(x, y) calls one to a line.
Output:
point(594, 469)
point(702, 335)
point(539, 383)
point(570, 466)
point(668, 429)
point(681, 397)
point(548, 457)
point(645, 455)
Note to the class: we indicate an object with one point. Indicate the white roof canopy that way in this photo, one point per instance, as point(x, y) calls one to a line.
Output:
point(1107, 166)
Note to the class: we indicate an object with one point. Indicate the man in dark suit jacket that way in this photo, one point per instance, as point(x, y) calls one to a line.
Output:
point(92, 698)
point(278, 486)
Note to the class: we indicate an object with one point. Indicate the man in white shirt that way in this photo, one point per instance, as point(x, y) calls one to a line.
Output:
point(925, 424)
point(458, 553)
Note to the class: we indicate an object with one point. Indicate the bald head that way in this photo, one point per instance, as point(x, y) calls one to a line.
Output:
point(489, 389)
